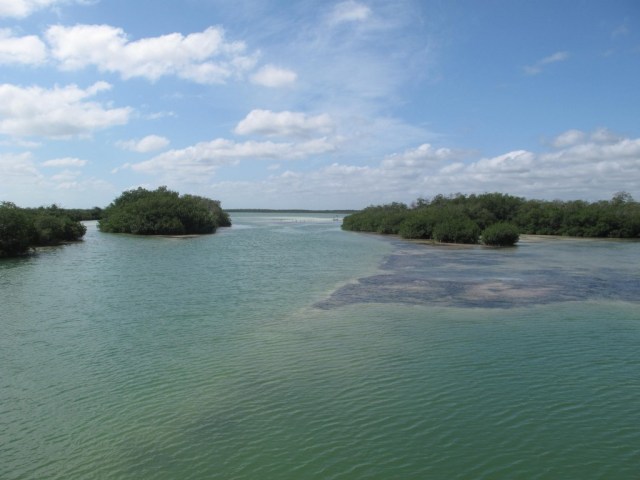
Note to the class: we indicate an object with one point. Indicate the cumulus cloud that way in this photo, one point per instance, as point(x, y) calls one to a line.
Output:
point(272, 76)
point(58, 112)
point(77, 186)
point(150, 143)
point(575, 137)
point(28, 50)
point(422, 156)
point(537, 67)
point(66, 177)
point(24, 8)
point(200, 161)
point(17, 165)
point(568, 138)
point(292, 124)
point(584, 170)
point(65, 162)
point(604, 135)
point(203, 57)
point(349, 11)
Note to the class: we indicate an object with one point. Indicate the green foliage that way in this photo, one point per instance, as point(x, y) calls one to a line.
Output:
point(162, 212)
point(456, 229)
point(419, 223)
point(21, 229)
point(380, 219)
point(16, 230)
point(452, 218)
point(501, 235)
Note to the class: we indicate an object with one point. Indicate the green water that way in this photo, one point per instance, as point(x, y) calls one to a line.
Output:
point(285, 348)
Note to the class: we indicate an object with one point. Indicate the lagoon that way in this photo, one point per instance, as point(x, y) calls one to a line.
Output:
point(284, 347)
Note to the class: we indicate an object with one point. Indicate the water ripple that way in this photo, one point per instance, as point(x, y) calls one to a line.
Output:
point(122, 370)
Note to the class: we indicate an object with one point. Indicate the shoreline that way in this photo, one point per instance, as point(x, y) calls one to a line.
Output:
point(524, 238)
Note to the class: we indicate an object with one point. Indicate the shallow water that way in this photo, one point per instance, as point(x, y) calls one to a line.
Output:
point(286, 348)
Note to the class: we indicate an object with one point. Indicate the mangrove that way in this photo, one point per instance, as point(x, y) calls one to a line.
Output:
point(162, 212)
point(22, 229)
point(499, 219)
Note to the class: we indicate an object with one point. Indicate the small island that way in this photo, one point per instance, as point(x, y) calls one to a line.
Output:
point(23, 229)
point(497, 219)
point(162, 212)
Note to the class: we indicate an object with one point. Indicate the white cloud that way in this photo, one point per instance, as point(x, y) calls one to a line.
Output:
point(78, 186)
point(349, 11)
point(586, 170)
point(65, 162)
point(516, 162)
point(58, 112)
point(272, 76)
point(293, 124)
point(23, 183)
point(203, 57)
point(199, 162)
point(604, 135)
point(537, 67)
point(24, 8)
point(147, 144)
point(17, 165)
point(422, 156)
point(568, 138)
point(29, 50)
point(66, 177)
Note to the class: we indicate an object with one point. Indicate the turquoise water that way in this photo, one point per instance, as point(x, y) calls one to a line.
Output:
point(285, 348)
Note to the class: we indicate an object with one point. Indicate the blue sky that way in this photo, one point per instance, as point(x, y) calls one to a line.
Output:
point(318, 104)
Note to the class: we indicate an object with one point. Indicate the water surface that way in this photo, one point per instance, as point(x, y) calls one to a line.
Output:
point(286, 348)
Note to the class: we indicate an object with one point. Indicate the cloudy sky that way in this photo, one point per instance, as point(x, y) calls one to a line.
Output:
point(318, 103)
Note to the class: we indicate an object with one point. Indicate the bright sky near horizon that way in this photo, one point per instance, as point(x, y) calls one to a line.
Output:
point(318, 104)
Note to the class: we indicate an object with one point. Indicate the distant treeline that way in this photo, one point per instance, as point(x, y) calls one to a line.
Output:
point(83, 214)
point(497, 219)
point(267, 210)
point(24, 228)
point(162, 212)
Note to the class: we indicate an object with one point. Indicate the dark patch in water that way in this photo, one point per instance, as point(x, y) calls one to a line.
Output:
point(477, 277)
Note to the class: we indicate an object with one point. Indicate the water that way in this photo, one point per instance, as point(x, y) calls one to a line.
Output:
point(285, 348)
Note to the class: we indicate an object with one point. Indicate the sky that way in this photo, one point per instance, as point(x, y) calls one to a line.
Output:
point(318, 104)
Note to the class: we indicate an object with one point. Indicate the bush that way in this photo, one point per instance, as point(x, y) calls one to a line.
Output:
point(617, 218)
point(162, 212)
point(419, 224)
point(379, 219)
point(501, 235)
point(21, 229)
point(456, 230)
point(16, 231)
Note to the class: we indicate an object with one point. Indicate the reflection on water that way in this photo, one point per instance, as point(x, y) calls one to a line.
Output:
point(536, 272)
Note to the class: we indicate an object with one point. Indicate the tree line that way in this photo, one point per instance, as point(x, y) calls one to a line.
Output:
point(139, 211)
point(498, 219)
point(21, 229)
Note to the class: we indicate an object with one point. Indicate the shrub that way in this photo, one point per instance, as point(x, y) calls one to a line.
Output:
point(501, 235)
point(16, 231)
point(419, 224)
point(162, 212)
point(456, 230)
point(21, 229)
point(379, 219)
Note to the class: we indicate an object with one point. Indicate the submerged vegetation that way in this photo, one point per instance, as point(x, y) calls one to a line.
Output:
point(24, 228)
point(499, 219)
point(162, 212)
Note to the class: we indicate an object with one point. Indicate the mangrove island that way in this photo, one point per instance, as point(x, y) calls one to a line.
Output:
point(498, 219)
point(22, 229)
point(162, 212)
